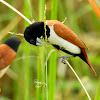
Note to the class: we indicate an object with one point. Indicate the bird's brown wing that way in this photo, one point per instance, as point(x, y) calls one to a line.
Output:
point(64, 32)
point(7, 56)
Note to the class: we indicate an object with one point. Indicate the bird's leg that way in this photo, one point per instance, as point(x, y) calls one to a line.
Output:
point(65, 57)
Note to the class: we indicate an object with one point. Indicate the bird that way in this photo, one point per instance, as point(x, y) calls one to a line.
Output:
point(60, 36)
point(8, 50)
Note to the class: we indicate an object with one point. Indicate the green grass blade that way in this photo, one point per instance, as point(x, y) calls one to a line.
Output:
point(52, 75)
point(40, 66)
point(41, 10)
point(97, 97)
point(26, 71)
point(26, 53)
point(40, 72)
point(54, 4)
point(53, 57)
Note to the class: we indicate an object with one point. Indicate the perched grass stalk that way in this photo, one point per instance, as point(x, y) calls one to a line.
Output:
point(41, 67)
point(53, 57)
point(95, 7)
point(27, 13)
point(76, 76)
point(78, 79)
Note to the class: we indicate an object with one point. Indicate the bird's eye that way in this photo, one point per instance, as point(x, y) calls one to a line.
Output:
point(32, 41)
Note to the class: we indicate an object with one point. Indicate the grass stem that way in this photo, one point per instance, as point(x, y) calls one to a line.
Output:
point(27, 13)
point(40, 66)
point(76, 76)
point(53, 57)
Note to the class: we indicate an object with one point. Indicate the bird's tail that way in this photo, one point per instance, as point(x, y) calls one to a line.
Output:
point(84, 57)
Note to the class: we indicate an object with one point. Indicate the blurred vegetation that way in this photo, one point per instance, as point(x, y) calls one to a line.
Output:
point(83, 21)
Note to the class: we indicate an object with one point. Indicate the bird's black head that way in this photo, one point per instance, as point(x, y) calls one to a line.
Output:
point(34, 31)
point(13, 42)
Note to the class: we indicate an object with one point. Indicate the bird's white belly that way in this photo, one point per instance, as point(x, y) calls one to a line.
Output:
point(56, 40)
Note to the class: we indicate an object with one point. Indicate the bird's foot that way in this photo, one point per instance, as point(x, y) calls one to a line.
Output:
point(65, 57)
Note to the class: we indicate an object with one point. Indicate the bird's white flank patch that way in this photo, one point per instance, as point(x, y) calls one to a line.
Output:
point(56, 40)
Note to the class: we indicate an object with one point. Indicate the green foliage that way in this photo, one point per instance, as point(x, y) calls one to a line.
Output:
point(53, 57)
point(29, 78)
point(41, 59)
point(26, 49)
point(97, 97)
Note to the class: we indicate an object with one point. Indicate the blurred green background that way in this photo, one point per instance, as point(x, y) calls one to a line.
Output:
point(25, 80)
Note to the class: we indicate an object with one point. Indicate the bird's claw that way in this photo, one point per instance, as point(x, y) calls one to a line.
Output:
point(65, 57)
